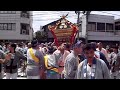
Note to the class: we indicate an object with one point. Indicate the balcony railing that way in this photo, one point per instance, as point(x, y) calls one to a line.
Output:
point(105, 33)
point(104, 30)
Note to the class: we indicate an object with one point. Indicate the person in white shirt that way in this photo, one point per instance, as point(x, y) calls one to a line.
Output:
point(103, 50)
point(72, 61)
point(113, 62)
point(92, 67)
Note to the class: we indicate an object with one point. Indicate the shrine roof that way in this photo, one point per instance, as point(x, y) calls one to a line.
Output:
point(54, 22)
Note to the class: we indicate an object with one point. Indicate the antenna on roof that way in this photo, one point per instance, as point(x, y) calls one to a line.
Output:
point(67, 14)
point(64, 16)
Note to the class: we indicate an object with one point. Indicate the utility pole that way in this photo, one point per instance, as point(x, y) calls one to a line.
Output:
point(78, 19)
point(87, 13)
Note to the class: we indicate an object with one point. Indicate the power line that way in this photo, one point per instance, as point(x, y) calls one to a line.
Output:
point(53, 19)
point(72, 16)
point(52, 12)
point(44, 13)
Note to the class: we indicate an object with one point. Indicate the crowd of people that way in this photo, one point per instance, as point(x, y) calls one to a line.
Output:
point(48, 61)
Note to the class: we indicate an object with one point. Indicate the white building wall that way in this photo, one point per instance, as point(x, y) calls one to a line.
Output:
point(104, 38)
point(93, 35)
point(101, 18)
point(15, 34)
point(83, 33)
point(31, 24)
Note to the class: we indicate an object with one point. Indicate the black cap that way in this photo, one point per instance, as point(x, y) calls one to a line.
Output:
point(13, 45)
point(94, 45)
point(51, 50)
point(34, 43)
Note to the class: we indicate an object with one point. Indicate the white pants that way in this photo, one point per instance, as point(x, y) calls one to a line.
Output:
point(33, 77)
point(11, 76)
point(115, 75)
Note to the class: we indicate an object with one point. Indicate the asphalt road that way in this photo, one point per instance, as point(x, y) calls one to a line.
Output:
point(20, 75)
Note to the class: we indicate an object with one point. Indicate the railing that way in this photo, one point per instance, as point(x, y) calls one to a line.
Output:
point(104, 30)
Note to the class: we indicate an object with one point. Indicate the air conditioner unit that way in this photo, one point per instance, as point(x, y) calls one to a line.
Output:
point(23, 31)
point(24, 15)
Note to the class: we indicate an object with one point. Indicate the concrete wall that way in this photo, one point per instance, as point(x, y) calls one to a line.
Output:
point(15, 34)
point(101, 18)
point(108, 36)
point(83, 33)
point(104, 38)
point(93, 35)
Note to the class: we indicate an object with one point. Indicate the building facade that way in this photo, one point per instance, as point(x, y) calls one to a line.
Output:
point(99, 28)
point(48, 33)
point(16, 26)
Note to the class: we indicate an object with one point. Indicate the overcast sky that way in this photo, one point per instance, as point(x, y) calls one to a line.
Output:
point(41, 18)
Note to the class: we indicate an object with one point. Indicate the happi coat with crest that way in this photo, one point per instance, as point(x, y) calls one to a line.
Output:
point(99, 71)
